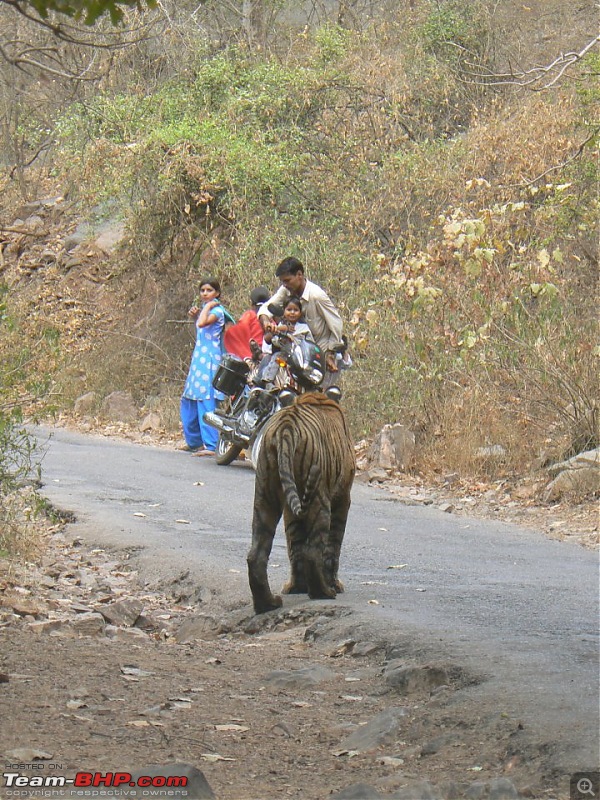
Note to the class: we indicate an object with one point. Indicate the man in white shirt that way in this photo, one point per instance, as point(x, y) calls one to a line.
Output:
point(320, 314)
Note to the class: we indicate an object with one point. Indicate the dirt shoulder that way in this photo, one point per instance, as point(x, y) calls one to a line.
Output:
point(103, 672)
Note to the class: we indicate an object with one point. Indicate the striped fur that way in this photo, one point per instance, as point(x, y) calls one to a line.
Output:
point(305, 471)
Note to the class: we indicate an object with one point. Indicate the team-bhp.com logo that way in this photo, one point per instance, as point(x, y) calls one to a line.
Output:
point(91, 784)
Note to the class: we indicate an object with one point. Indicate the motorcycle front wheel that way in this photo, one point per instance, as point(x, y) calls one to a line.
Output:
point(227, 451)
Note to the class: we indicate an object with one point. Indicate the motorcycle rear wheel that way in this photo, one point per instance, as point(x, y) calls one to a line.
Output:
point(227, 451)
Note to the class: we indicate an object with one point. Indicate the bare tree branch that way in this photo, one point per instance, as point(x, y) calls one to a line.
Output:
point(537, 78)
point(43, 53)
point(563, 164)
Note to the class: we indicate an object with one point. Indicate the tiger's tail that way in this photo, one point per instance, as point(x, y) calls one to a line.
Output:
point(285, 459)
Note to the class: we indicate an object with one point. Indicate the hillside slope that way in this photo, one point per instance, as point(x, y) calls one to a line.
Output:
point(454, 222)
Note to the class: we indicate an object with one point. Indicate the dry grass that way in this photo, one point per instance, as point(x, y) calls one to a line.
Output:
point(23, 525)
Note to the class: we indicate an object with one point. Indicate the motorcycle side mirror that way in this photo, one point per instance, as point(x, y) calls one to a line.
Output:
point(287, 397)
point(334, 393)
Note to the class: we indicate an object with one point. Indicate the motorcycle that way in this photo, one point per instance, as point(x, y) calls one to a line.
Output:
point(240, 420)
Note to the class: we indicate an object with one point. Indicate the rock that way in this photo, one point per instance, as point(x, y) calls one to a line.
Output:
point(25, 607)
point(80, 608)
point(451, 478)
point(151, 422)
point(34, 223)
point(119, 407)
point(362, 649)
point(79, 236)
point(48, 625)
point(342, 649)
point(201, 627)
point(491, 451)
point(526, 491)
point(358, 791)
point(299, 678)
point(377, 475)
point(421, 790)
point(453, 790)
point(125, 634)
point(39, 206)
point(435, 745)
point(447, 508)
point(26, 210)
point(393, 447)
point(85, 404)
point(477, 790)
point(377, 731)
point(502, 789)
point(110, 236)
point(149, 623)
point(87, 624)
point(123, 612)
point(47, 257)
point(196, 788)
point(579, 475)
point(409, 679)
point(589, 458)
point(25, 755)
point(581, 481)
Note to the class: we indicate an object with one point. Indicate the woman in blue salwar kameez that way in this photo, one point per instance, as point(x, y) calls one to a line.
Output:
point(199, 395)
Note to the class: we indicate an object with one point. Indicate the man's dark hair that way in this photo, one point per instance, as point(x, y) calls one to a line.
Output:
point(289, 266)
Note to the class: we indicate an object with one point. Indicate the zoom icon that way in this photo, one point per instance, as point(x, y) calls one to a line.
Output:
point(585, 786)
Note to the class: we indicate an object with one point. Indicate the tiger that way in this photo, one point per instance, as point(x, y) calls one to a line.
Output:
point(304, 470)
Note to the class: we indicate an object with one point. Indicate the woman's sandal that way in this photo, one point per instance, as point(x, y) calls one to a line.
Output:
point(200, 453)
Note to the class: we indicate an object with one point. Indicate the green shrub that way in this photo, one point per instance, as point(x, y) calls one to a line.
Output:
point(455, 28)
point(332, 43)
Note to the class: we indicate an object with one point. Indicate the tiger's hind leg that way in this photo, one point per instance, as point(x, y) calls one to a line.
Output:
point(295, 536)
point(333, 545)
point(317, 526)
point(266, 515)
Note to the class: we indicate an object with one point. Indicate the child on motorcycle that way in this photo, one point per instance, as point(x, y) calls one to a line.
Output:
point(293, 323)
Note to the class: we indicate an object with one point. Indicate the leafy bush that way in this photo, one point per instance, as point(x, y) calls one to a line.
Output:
point(455, 28)
point(452, 233)
point(17, 451)
point(332, 43)
point(484, 315)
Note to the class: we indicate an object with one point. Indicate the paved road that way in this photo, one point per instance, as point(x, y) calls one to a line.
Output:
point(504, 603)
